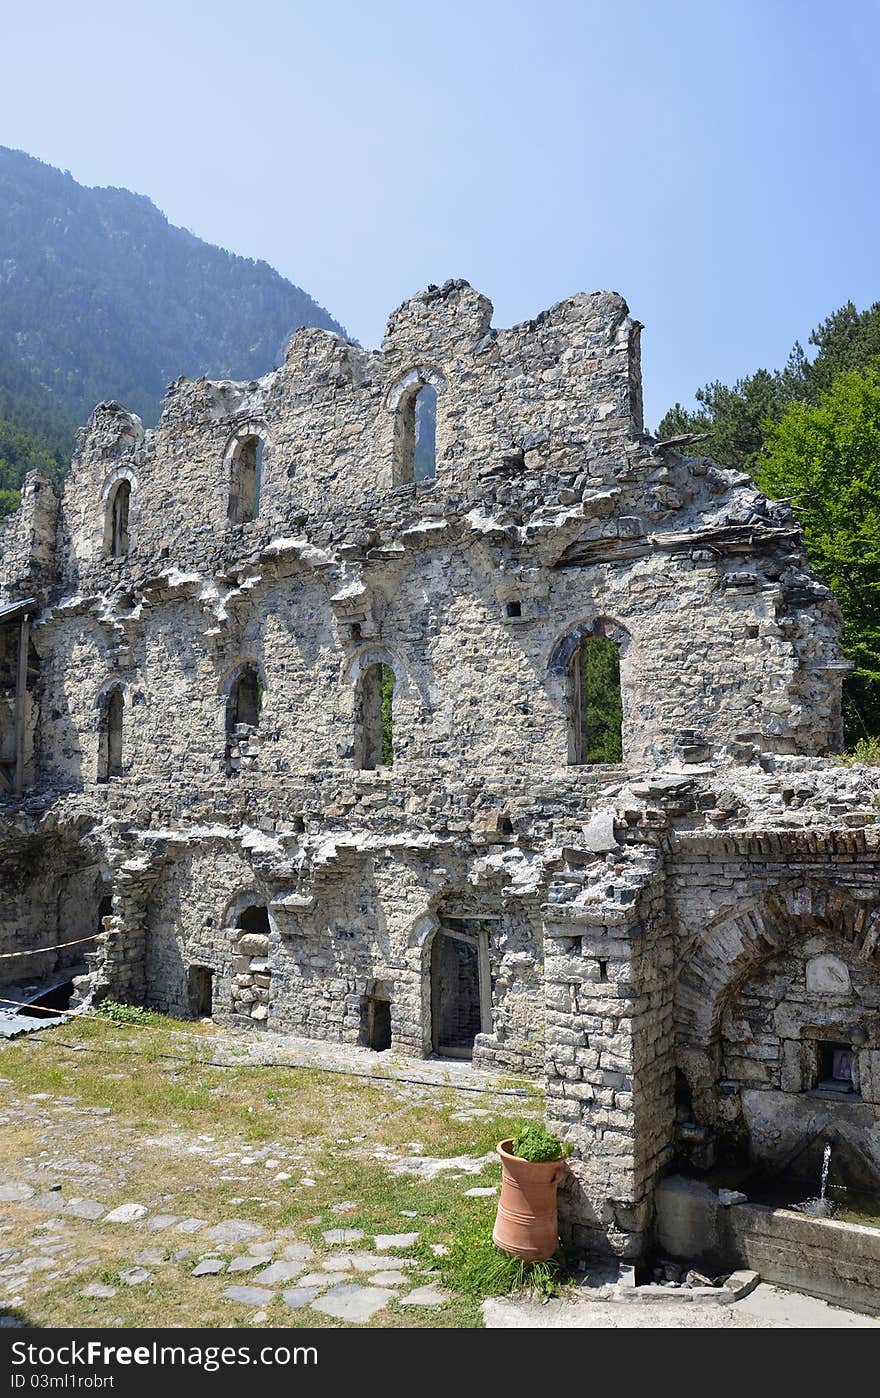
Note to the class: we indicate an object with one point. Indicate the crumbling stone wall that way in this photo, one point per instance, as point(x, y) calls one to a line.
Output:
point(613, 903)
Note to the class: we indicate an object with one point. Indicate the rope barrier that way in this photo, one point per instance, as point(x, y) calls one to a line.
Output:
point(28, 1009)
point(9, 955)
point(344, 1071)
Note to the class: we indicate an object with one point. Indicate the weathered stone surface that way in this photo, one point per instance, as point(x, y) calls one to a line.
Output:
point(425, 1296)
point(297, 1252)
point(126, 1213)
point(299, 1296)
point(159, 1222)
point(395, 1240)
point(248, 1295)
point(279, 1272)
point(209, 1268)
point(85, 1208)
point(11, 1193)
point(351, 1302)
point(599, 836)
point(827, 975)
point(233, 1230)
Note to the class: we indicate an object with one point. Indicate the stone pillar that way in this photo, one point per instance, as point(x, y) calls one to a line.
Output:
point(608, 971)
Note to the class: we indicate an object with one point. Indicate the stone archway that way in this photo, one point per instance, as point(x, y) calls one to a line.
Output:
point(774, 1003)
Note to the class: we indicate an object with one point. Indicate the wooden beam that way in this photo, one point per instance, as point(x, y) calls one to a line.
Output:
point(24, 635)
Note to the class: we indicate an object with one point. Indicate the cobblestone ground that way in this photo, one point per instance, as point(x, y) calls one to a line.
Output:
point(317, 1198)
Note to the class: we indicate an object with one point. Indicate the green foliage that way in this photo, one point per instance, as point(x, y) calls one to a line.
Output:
point(21, 451)
point(848, 339)
point(475, 1267)
point(124, 1014)
point(827, 459)
point(865, 751)
point(9, 502)
point(736, 417)
point(535, 1142)
point(601, 706)
point(810, 432)
point(387, 716)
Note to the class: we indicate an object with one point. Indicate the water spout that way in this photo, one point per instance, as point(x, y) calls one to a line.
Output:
point(820, 1207)
point(826, 1166)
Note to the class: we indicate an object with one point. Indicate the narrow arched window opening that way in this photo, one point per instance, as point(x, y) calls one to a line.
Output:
point(416, 435)
point(375, 716)
point(246, 480)
point(424, 456)
point(110, 736)
point(118, 537)
point(245, 700)
point(596, 707)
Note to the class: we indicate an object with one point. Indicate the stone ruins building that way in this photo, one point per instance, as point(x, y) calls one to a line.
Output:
point(295, 715)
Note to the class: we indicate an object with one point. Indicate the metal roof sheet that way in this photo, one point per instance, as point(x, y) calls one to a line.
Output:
point(12, 1024)
point(9, 611)
point(35, 990)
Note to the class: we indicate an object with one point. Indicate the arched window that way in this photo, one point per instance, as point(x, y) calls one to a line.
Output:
point(414, 403)
point(117, 532)
point(595, 703)
point(246, 463)
point(374, 717)
point(245, 700)
point(110, 735)
point(423, 461)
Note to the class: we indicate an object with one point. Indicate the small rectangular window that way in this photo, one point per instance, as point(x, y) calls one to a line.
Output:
point(835, 1063)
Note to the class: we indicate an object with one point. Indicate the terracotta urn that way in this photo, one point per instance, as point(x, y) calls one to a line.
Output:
point(526, 1224)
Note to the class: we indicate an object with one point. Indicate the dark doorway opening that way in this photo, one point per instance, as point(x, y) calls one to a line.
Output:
point(200, 988)
point(376, 1023)
point(457, 991)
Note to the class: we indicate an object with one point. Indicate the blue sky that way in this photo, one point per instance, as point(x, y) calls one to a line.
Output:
point(716, 163)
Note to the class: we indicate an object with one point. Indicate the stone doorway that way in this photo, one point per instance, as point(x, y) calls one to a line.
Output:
point(200, 991)
point(461, 1006)
point(376, 1023)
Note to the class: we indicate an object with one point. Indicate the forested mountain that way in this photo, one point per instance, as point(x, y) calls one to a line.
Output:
point(101, 297)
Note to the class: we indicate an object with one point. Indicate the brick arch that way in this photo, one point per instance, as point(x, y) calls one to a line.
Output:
point(737, 944)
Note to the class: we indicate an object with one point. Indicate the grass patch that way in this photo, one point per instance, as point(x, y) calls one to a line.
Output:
point(866, 751)
point(475, 1267)
point(189, 1137)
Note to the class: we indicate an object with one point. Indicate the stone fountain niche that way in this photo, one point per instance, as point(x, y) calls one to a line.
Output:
point(800, 1050)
